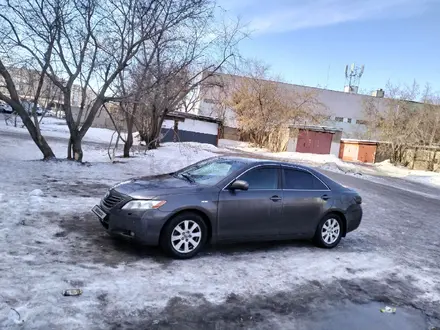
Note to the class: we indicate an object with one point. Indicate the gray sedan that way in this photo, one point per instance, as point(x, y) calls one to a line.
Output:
point(230, 199)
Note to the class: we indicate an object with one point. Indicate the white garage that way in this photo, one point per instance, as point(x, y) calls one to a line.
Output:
point(186, 127)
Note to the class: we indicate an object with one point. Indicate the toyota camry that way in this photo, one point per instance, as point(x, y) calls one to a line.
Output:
point(230, 199)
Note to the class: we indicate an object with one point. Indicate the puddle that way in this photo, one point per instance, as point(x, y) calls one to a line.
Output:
point(365, 317)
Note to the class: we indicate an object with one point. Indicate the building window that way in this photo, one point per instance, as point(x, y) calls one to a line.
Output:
point(339, 119)
point(349, 120)
point(361, 122)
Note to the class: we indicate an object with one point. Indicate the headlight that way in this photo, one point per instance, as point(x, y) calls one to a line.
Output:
point(143, 205)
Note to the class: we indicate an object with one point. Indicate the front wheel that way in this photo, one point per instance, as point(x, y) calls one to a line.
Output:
point(184, 236)
point(329, 232)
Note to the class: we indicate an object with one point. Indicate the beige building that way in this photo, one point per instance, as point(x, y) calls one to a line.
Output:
point(26, 82)
point(344, 110)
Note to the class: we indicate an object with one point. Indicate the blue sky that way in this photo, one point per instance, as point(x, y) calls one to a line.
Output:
point(310, 41)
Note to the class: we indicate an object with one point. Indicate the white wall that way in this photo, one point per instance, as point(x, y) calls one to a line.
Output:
point(193, 125)
point(334, 148)
point(167, 123)
point(336, 143)
point(291, 144)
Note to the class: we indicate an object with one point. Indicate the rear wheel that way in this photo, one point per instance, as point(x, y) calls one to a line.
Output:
point(184, 236)
point(329, 231)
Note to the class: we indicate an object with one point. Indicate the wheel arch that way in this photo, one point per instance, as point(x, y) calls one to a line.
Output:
point(340, 214)
point(194, 210)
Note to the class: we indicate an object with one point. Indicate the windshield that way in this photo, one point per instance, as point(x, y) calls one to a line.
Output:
point(210, 172)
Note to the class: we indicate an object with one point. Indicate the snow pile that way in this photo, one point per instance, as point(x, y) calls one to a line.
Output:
point(225, 143)
point(328, 162)
point(332, 163)
point(424, 177)
point(36, 192)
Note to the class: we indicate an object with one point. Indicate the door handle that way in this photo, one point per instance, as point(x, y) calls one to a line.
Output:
point(325, 197)
point(275, 198)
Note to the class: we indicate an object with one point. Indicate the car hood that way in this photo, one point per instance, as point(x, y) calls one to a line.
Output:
point(149, 187)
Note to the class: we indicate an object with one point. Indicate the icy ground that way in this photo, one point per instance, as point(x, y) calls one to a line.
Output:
point(49, 242)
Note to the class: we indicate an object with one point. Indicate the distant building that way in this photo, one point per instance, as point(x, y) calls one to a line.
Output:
point(344, 110)
point(26, 83)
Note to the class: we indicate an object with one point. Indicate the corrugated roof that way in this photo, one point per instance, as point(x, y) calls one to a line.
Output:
point(179, 114)
point(317, 128)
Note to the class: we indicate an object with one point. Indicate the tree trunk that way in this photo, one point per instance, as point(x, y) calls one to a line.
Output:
point(152, 134)
point(33, 130)
point(39, 140)
point(45, 149)
point(129, 140)
point(128, 144)
point(393, 154)
point(77, 149)
point(69, 149)
point(150, 138)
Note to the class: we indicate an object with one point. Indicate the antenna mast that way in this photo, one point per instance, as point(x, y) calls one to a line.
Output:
point(353, 74)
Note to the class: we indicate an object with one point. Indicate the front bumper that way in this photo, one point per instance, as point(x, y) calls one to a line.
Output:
point(354, 216)
point(141, 226)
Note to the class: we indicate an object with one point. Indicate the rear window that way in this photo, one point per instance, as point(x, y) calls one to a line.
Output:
point(302, 180)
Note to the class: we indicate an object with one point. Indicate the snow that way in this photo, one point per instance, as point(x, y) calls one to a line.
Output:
point(424, 177)
point(332, 163)
point(57, 128)
point(326, 162)
point(50, 242)
point(36, 192)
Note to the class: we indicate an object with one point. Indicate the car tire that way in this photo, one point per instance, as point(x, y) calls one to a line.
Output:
point(329, 231)
point(184, 236)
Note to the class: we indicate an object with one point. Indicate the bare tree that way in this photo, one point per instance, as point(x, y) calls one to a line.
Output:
point(169, 70)
point(12, 36)
point(32, 125)
point(396, 119)
point(429, 131)
point(88, 43)
point(265, 108)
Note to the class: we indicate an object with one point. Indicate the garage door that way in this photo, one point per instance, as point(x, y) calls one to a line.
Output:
point(314, 142)
point(367, 153)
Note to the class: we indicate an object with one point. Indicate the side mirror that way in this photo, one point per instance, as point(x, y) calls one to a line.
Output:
point(239, 185)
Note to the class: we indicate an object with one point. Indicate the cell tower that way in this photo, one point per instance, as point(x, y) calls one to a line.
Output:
point(353, 74)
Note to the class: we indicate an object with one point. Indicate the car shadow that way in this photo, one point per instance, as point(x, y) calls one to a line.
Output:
point(250, 247)
point(88, 241)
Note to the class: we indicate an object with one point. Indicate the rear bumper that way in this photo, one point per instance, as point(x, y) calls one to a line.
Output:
point(143, 227)
point(353, 217)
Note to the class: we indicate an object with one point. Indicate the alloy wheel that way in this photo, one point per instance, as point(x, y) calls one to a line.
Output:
point(186, 236)
point(331, 230)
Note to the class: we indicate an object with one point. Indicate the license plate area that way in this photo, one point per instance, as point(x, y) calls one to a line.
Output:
point(98, 212)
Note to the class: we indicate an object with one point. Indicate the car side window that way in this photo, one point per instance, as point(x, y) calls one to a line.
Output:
point(301, 180)
point(261, 178)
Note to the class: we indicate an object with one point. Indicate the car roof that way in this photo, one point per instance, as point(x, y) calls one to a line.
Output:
point(251, 161)
point(261, 161)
